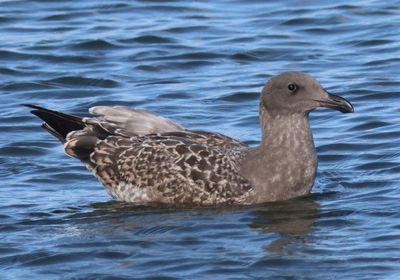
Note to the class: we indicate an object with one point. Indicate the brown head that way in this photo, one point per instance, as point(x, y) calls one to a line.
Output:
point(299, 93)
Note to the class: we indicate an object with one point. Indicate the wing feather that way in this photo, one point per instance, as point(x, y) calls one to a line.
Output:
point(123, 121)
point(167, 169)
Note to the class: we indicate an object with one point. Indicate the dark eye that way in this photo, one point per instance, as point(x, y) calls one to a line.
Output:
point(292, 87)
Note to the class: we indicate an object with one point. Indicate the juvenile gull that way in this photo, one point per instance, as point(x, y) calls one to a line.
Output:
point(143, 158)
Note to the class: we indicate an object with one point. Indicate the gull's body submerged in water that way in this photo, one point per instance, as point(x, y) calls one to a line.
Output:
point(143, 158)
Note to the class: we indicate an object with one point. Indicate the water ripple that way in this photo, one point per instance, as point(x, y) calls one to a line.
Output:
point(94, 45)
point(202, 64)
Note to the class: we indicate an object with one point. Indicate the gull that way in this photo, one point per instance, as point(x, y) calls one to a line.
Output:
point(143, 158)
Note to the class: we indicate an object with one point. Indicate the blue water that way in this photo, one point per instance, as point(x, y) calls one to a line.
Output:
point(202, 64)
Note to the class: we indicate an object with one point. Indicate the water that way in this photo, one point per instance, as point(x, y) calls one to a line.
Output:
point(202, 64)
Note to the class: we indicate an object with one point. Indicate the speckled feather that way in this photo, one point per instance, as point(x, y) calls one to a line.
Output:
point(176, 167)
point(185, 167)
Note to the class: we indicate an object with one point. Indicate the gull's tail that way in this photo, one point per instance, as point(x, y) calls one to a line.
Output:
point(56, 123)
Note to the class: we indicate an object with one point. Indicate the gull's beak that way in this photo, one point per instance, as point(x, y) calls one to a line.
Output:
point(336, 102)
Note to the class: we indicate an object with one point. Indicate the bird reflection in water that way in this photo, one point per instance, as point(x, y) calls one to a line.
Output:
point(292, 220)
point(285, 224)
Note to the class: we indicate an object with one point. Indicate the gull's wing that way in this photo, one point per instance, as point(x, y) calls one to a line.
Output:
point(129, 122)
point(123, 121)
point(161, 168)
point(141, 157)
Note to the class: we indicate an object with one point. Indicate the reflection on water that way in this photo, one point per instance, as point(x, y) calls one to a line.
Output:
point(284, 223)
point(291, 221)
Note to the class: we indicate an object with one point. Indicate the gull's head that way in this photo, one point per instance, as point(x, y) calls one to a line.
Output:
point(299, 93)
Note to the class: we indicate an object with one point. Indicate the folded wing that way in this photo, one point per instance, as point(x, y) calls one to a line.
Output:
point(127, 122)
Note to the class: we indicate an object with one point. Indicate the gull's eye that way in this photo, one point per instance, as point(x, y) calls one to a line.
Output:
point(292, 87)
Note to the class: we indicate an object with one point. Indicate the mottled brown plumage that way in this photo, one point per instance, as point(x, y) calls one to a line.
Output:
point(171, 169)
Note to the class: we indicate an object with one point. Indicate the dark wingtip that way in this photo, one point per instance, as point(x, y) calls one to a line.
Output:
point(57, 123)
point(36, 111)
point(33, 106)
point(29, 105)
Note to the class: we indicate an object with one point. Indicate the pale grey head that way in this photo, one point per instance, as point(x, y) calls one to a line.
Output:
point(299, 93)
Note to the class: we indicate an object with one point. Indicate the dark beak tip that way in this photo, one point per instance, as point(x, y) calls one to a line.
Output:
point(338, 103)
point(348, 110)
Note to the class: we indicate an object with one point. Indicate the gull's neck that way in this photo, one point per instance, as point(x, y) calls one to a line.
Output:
point(284, 165)
point(279, 129)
